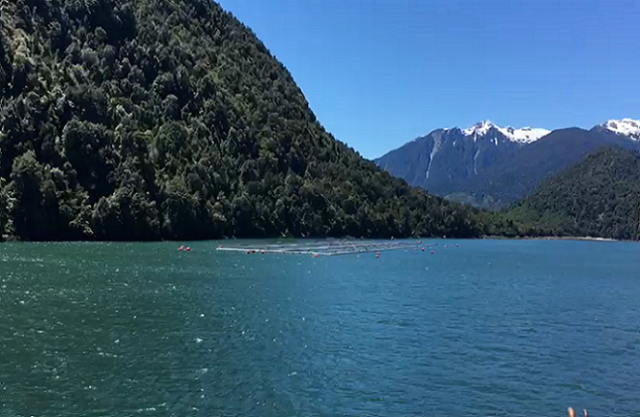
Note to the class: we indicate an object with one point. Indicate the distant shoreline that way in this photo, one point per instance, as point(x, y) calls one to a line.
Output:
point(574, 238)
point(9, 238)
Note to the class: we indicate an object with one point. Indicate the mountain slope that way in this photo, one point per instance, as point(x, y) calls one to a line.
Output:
point(599, 196)
point(445, 158)
point(513, 178)
point(140, 120)
point(492, 167)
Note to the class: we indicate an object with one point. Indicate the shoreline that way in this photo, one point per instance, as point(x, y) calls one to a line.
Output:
point(573, 238)
point(11, 239)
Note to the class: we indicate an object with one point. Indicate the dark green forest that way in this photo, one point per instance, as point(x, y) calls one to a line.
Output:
point(599, 197)
point(145, 120)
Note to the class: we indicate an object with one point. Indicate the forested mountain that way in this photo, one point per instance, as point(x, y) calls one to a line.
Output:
point(497, 172)
point(599, 196)
point(149, 119)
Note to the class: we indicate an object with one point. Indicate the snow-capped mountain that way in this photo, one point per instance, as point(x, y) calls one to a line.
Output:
point(524, 135)
point(491, 165)
point(447, 156)
point(624, 127)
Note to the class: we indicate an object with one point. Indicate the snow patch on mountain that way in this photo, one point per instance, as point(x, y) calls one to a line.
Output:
point(479, 129)
point(524, 135)
point(626, 127)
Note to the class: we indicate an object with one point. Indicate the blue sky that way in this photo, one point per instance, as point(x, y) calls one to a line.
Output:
point(379, 73)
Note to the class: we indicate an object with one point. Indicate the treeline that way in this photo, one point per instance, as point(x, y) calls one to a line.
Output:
point(151, 119)
point(598, 197)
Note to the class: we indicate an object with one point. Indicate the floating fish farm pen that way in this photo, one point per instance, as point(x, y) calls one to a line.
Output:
point(324, 248)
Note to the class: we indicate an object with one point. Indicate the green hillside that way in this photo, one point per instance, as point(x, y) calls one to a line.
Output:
point(143, 120)
point(599, 197)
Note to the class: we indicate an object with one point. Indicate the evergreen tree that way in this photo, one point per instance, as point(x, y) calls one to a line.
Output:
point(141, 120)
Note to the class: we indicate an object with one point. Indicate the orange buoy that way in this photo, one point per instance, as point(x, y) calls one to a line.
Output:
point(188, 249)
point(315, 255)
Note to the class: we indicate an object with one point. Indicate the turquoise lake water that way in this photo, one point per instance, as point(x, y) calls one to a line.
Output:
point(500, 328)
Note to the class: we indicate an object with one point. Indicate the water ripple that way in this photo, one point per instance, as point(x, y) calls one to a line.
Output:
point(490, 328)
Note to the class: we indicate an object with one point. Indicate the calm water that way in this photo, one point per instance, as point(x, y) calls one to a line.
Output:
point(496, 328)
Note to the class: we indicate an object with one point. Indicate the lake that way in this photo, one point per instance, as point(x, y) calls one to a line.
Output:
point(500, 328)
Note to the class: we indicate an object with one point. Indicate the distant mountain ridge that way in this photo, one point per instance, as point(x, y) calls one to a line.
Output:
point(489, 166)
point(447, 156)
point(524, 135)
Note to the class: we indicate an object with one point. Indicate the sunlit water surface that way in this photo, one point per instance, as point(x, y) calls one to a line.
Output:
point(500, 328)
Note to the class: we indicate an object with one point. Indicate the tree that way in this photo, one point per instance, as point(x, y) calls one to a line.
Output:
point(141, 120)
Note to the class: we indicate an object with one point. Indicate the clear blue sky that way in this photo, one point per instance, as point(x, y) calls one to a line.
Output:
point(379, 73)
